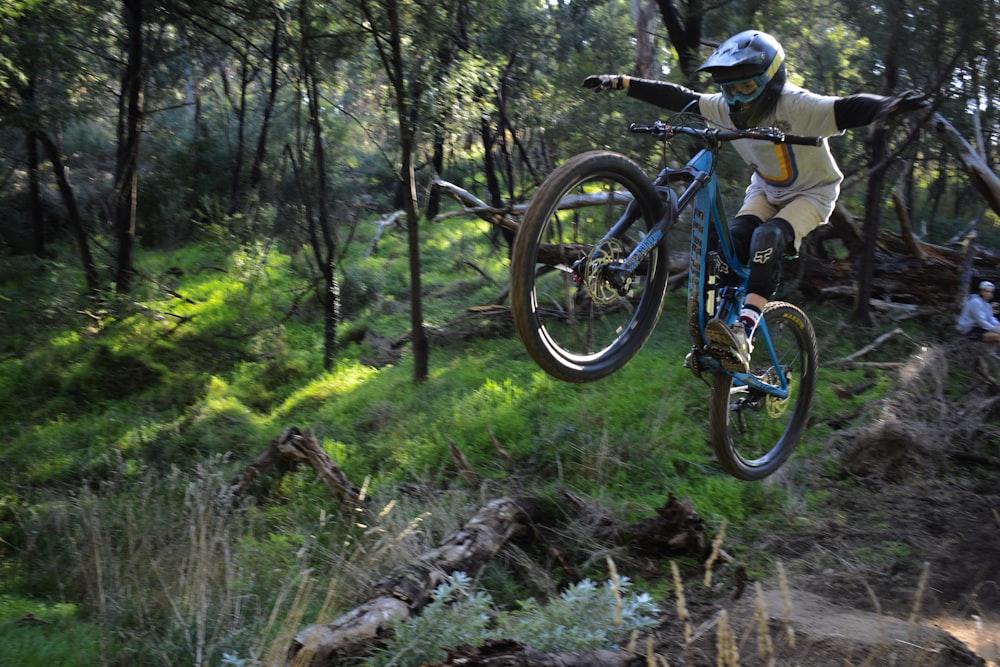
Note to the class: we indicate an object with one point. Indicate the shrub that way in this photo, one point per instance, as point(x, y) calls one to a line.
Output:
point(585, 616)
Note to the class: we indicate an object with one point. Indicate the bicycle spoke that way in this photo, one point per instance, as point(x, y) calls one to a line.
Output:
point(754, 431)
point(579, 313)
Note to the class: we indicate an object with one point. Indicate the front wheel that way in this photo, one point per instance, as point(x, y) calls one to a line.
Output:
point(580, 314)
point(753, 432)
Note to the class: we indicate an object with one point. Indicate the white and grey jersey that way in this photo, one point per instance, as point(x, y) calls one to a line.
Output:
point(783, 172)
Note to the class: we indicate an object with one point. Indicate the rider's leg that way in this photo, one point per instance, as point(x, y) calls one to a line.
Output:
point(764, 252)
point(741, 229)
point(730, 344)
point(798, 217)
point(771, 241)
point(768, 243)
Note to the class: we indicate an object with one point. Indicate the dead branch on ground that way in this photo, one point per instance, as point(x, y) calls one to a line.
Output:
point(675, 530)
point(403, 593)
point(867, 348)
point(500, 217)
point(291, 449)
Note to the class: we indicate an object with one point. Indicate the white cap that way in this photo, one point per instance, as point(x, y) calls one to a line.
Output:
point(986, 285)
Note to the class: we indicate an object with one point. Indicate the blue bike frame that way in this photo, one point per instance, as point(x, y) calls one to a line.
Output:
point(722, 302)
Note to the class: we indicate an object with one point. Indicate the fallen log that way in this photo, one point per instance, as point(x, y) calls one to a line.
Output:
point(906, 228)
point(501, 217)
point(387, 221)
point(899, 277)
point(403, 593)
point(675, 530)
point(285, 453)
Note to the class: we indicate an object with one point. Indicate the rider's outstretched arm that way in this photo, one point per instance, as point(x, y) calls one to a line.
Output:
point(862, 109)
point(662, 94)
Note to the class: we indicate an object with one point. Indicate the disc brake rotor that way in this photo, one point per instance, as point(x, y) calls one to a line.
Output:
point(600, 289)
point(776, 407)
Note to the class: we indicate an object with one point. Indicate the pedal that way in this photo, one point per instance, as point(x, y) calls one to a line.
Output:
point(692, 362)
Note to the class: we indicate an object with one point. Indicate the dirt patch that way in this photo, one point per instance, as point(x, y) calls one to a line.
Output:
point(909, 529)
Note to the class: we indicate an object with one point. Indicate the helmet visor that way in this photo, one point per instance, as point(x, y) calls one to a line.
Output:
point(743, 91)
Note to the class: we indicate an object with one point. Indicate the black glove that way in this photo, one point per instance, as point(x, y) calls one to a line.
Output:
point(905, 102)
point(599, 82)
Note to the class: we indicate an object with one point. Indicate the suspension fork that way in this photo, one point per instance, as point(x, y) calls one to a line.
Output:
point(619, 275)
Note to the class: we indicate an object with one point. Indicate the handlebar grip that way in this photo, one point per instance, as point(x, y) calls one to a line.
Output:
point(802, 141)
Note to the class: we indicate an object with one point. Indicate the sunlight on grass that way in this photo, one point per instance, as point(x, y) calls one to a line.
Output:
point(133, 442)
point(345, 378)
point(720, 498)
point(497, 407)
point(163, 399)
point(65, 339)
point(12, 607)
point(220, 402)
point(36, 634)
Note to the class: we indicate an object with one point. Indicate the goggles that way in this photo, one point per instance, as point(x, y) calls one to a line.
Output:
point(743, 91)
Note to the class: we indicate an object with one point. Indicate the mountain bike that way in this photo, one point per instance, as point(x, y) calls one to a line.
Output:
point(590, 269)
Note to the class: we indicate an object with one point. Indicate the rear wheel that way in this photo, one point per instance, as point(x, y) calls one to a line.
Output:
point(753, 433)
point(580, 316)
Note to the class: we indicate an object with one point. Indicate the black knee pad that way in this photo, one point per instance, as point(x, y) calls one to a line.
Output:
point(767, 246)
point(741, 230)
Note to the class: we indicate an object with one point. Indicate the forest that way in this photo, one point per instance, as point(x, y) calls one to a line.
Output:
point(243, 238)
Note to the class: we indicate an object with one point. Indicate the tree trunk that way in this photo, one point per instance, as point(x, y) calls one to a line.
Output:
point(492, 181)
point(895, 12)
point(291, 448)
point(906, 226)
point(684, 32)
point(407, 133)
point(489, 163)
point(437, 164)
point(645, 17)
point(420, 346)
point(34, 192)
point(73, 214)
point(240, 110)
point(127, 168)
point(507, 127)
point(257, 170)
point(321, 226)
point(878, 142)
point(965, 279)
point(878, 147)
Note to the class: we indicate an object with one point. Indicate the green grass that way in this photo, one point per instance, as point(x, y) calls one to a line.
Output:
point(35, 634)
point(120, 419)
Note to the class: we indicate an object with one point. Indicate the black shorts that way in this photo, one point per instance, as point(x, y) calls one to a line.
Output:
point(975, 333)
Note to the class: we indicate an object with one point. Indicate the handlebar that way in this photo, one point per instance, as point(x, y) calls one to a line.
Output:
point(662, 130)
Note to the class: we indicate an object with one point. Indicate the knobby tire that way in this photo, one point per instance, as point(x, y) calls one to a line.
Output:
point(753, 434)
point(579, 328)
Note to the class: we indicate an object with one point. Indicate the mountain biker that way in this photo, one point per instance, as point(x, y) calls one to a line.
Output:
point(793, 189)
point(977, 321)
